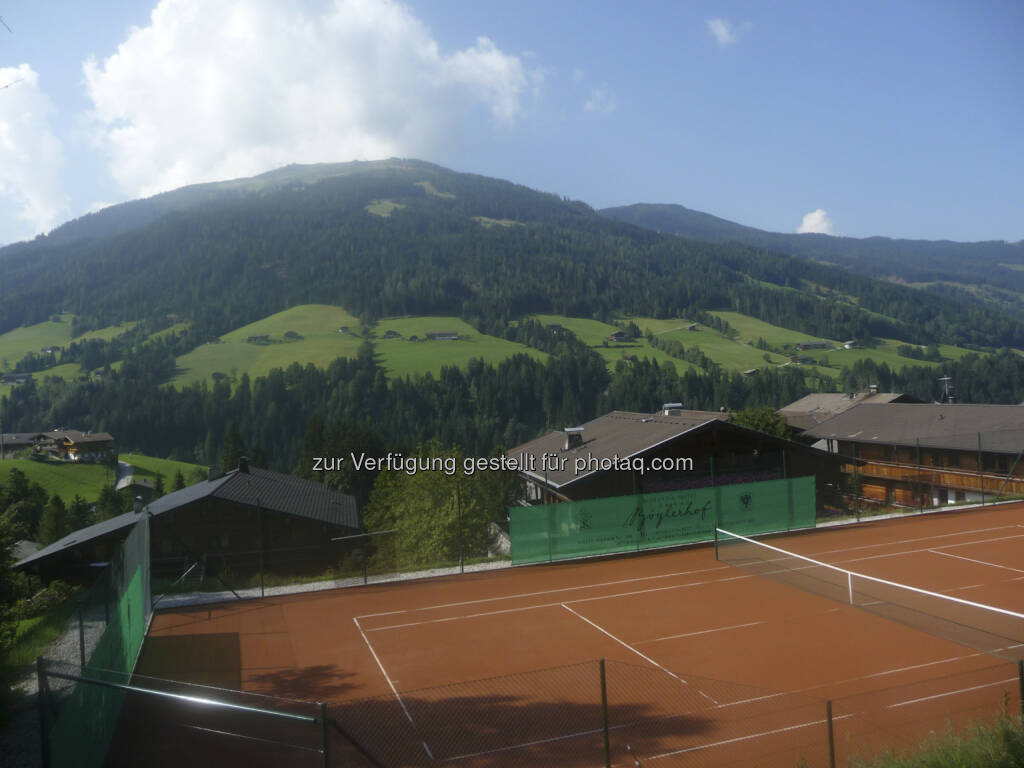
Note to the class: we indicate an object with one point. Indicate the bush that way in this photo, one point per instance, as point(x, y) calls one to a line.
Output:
point(43, 601)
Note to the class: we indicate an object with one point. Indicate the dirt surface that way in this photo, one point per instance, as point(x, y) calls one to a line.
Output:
point(706, 663)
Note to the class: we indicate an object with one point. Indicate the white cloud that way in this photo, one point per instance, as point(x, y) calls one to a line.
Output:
point(816, 221)
point(577, 75)
point(601, 100)
point(725, 32)
point(722, 31)
point(215, 89)
point(30, 156)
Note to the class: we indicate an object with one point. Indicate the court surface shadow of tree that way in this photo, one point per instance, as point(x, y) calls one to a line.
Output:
point(502, 732)
point(321, 682)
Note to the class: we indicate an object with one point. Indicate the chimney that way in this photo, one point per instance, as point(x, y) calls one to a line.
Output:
point(672, 409)
point(138, 505)
point(243, 465)
point(214, 473)
point(573, 437)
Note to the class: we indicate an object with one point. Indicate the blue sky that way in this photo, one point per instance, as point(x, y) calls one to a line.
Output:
point(899, 119)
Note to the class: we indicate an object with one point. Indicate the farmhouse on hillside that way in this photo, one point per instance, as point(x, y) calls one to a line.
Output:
point(73, 445)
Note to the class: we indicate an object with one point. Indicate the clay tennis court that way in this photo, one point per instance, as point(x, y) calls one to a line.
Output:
point(706, 664)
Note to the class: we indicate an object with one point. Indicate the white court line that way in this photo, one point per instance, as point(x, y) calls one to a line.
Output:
point(972, 560)
point(921, 538)
point(743, 738)
point(719, 706)
point(527, 744)
point(961, 589)
point(703, 632)
point(557, 590)
point(952, 693)
point(980, 541)
point(901, 553)
point(624, 644)
point(556, 604)
point(382, 670)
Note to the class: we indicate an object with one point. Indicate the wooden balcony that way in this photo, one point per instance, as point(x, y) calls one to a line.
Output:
point(942, 477)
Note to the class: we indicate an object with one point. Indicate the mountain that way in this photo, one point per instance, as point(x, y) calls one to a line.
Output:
point(993, 271)
point(403, 237)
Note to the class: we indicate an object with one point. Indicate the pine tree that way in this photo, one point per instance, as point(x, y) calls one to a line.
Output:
point(53, 524)
point(78, 513)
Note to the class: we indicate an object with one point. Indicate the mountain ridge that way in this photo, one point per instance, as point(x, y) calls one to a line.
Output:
point(410, 237)
point(897, 259)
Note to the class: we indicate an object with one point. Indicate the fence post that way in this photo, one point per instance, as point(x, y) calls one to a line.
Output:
point(918, 483)
point(831, 735)
point(855, 485)
point(1020, 685)
point(981, 473)
point(716, 542)
point(604, 717)
point(81, 639)
point(325, 736)
point(259, 515)
point(44, 702)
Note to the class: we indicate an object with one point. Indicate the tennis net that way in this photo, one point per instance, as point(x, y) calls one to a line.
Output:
point(986, 628)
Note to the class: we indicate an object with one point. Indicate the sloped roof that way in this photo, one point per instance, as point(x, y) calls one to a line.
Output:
point(951, 426)
point(820, 406)
point(73, 539)
point(77, 436)
point(258, 488)
point(620, 433)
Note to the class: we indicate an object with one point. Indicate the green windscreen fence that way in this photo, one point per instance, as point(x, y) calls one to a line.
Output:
point(79, 720)
point(646, 521)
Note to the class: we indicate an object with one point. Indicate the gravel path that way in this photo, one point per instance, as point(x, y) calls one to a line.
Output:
point(19, 736)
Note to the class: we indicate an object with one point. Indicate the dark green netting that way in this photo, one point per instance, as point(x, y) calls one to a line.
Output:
point(644, 521)
point(81, 719)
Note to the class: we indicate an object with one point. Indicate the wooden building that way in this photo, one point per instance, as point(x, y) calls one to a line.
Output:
point(623, 453)
point(239, 521)
point(928, 454)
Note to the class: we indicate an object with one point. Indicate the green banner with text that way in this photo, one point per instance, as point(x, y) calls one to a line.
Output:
point(646, 521)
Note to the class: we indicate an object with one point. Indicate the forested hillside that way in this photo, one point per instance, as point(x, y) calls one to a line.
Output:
point(445, 243)
point(992, 271)
point(408, 238)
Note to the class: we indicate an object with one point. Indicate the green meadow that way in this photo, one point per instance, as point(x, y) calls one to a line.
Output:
point(382, 208)
point(402, 357)
point(15, 344)
point(149, 466)
point(595, 334)
point(430, 189)
point(67, 478)
point(733, 355)
point(64, 478)
point(319, 342)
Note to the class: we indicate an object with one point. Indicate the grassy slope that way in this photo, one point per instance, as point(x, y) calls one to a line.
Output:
point(734, 355)
point(320, 344)
point(148, 466)
point(68, 478)
point(595, 333)
point(15, 344)
point(402, 357)
point(63, 478)
point(751, 329)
